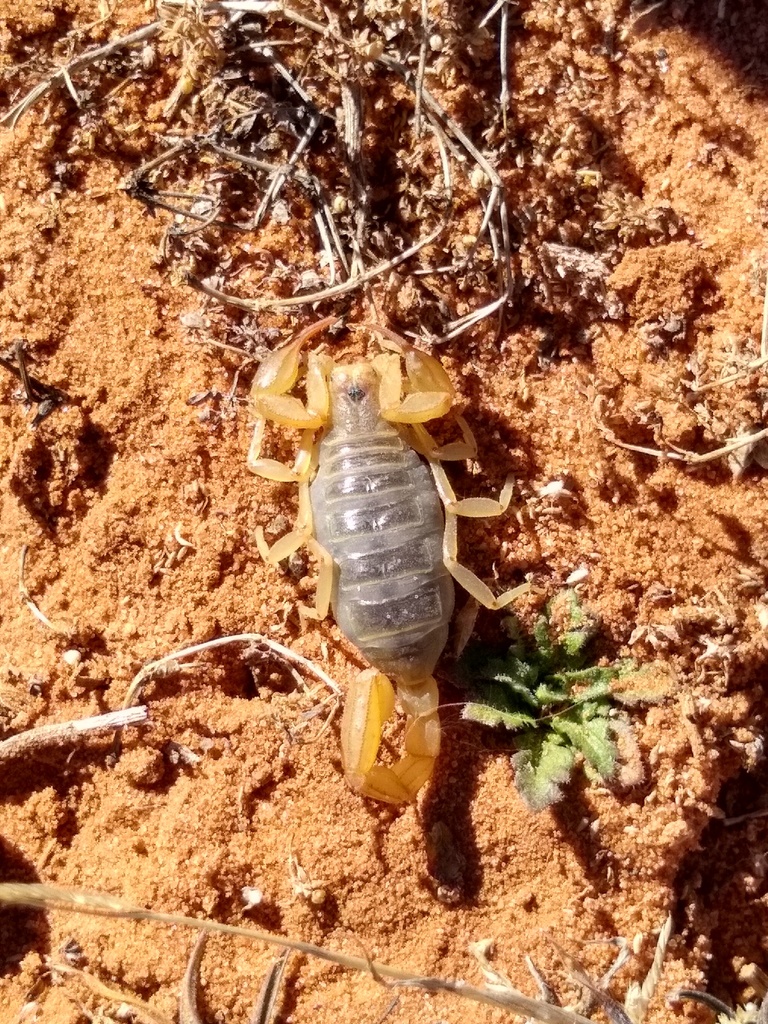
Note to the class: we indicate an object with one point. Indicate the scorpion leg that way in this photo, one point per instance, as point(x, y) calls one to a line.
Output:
point(465, 577)
point(271, 469)
point(454, 451)
point(474, 508)
point(302, 534)
point(324, 586)
point(370, 702)
point(290, 542)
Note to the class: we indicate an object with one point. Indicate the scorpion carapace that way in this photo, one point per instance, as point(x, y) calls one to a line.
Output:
point(377, 510)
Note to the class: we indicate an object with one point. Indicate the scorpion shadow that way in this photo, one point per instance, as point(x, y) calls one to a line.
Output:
point(21, 929)
point(454, 859)
point(729, 31)
point(722, 884)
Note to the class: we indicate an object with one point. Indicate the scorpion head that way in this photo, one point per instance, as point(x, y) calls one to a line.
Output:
point(354, 398)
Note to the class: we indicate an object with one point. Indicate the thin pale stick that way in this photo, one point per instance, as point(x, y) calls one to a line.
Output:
point(741, 818)
point(325, 239)
point(326, 293)
point(143, 1011)
point(264, 1011)
point(679, 454)
point(764, 333)
point(754, 364)
point(29, 601)
point(238, 638)
point(84, 60)
point(504, 64)
point(188, 1012)
point(101, 905)
point(61, 734)
point(421, 68)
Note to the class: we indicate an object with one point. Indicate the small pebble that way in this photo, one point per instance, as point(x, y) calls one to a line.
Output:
point(251, 897)
point(577, 576)
point(72, 658)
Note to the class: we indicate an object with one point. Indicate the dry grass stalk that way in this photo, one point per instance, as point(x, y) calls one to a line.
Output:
point(188, 1011)
point(677, 454)
point(142, 1012)
point(31, 743)
point(326, 293)
point(266, 1007)
point(29, 601)
point(194, 43)
point(753, 364)
point(282, 653)
point(45, 897)
point(63, 75)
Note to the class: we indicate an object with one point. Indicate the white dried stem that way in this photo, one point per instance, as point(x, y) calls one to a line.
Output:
point(63, 734)
point(29, 601)
point(283, 653)
point(327, 293)
point(102, 905)
point(84, 60)
point(680, 454)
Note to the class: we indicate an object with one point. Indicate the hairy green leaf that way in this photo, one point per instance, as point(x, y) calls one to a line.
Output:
point(545, 651)
point(592, 737)
point(595, 675)
point(545, 686)
point(546, 694)
point(542, 765)
point(487, 715)
point(573, 643)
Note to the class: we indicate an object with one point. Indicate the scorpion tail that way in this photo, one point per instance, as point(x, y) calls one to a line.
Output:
point(370, 702)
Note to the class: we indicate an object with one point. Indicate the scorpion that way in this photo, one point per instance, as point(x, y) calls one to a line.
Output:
point(383, 530)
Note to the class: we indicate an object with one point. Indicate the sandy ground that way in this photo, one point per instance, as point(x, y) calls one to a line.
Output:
point(640, 140)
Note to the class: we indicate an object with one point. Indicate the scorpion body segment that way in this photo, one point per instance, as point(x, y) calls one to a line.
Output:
point(377, 512)
point(370, 512)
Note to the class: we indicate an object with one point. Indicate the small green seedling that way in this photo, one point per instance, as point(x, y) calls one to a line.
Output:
point(563, 709)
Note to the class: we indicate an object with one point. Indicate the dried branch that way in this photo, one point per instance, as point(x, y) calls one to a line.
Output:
point(422, 67)
point(264, 1011)
point(29, 601)
point(680, 454)
point(46, 897)
point(83, 60)
point(753, 364)
point(62, 734)
point(283, 653)
point(188, 1012)
point(141, 1010)
point(327, 293)
point(764, 331)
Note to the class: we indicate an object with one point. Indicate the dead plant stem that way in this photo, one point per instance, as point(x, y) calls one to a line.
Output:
point(29, 744)
point(101, 905)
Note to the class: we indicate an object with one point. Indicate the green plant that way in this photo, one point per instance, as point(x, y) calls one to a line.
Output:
point(563, 709)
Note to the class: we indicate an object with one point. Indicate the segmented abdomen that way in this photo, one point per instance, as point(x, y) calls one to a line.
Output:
point(378, 514)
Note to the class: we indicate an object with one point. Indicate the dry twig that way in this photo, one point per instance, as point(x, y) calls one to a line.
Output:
point(678, 454)
point(282, 653)
point(33, 742)
point(326, 293)
point(83, 60)
point(142, 1011)
point(100, 905)
point(188, 1011)
point(29, 601)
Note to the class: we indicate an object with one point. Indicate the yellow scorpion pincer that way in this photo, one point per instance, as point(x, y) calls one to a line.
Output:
point(378, 512)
